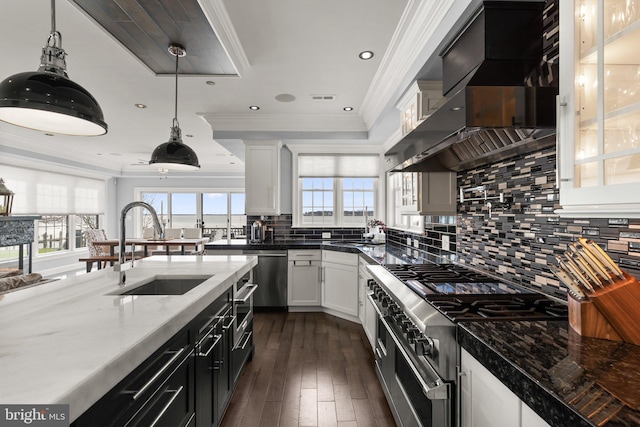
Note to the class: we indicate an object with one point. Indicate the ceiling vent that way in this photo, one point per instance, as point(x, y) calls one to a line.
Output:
point(323, 97)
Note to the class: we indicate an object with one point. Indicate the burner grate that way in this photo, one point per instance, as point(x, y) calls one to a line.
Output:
point(494, 307)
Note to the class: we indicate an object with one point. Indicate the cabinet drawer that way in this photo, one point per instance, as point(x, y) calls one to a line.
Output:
point(343, 258)
point(172, 404)
point(304, 255)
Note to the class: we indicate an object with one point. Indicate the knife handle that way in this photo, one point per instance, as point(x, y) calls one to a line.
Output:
point(568, 283)
point(597, 251)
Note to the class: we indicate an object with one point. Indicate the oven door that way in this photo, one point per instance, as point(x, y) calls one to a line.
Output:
point(418, 397)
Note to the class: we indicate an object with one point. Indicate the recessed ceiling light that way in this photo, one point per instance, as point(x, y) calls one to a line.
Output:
point(140, 105)
point(348, 108)
point(367, 54)
point(210, 82)
point(254, 107)
point(456, 108)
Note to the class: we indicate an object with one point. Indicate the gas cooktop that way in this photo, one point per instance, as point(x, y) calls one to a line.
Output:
point(429, 279)
point(462, 294)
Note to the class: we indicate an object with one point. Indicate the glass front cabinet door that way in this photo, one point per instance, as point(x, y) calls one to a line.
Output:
point(598, 153)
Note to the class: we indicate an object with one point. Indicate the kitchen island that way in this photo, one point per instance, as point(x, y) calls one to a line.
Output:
point(71, 341)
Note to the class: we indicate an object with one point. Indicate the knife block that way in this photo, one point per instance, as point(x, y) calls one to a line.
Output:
point(612, 313)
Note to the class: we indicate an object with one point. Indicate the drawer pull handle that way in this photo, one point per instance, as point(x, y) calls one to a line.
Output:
point(162, 370)
point(168, 405)
point(216, 339)
point(251, 289)
point(245, 342)
point(232, 320)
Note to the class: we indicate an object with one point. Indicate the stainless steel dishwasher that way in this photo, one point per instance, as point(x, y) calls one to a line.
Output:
point(271, 277)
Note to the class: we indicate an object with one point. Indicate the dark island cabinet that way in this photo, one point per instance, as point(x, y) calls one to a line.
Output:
point(185, 383)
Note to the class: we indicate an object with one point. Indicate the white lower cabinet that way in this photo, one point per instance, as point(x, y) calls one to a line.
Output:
point(486, 402)
point(340, 282)
point(304, 278)
point(530, 418)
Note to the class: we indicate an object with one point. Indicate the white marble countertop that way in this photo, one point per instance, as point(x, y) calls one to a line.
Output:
point(70, 342)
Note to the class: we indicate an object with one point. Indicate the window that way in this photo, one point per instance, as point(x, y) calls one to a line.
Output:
point(68, 205)
point(335, 190)
point(220, 214)
point(317, 201)
point(358, 196)
point(82, 224)
point(52, 233)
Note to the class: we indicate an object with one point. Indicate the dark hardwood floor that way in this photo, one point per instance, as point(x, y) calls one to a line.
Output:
point(309, 369)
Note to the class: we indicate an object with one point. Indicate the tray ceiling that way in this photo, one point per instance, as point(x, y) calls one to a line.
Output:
point(147, 27)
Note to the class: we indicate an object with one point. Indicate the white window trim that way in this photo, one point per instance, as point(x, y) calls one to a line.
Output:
point(296, 193)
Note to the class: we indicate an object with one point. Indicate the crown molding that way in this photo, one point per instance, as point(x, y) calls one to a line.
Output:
point(417, 25)
point(285, 126)
point(220, 21)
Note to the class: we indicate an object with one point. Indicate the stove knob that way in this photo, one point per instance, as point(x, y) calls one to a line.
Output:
point(406, 325)
point(385, 301)
point(423, 346)
point(412, 334)
point(399, 317)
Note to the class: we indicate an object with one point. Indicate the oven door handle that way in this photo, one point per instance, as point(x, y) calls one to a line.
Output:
point(440, 390)
point(251, 288)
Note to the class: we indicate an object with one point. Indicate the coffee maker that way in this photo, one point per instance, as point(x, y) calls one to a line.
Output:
point(258, 231)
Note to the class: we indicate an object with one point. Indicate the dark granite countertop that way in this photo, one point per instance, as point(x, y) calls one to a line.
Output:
point(567, 379)
point(375, 253)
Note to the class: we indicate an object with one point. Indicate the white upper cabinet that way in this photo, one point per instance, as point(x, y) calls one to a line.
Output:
point(418, 102)
point(599, 108)
point(262, 177)
point(428, 193)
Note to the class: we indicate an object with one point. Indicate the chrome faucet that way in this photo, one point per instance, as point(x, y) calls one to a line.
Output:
point(123, 234)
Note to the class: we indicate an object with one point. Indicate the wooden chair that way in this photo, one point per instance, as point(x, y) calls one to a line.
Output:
point(99, 253)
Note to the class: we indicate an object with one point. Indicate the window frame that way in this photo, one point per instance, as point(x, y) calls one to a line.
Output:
point(338, 217)
point(199, 192)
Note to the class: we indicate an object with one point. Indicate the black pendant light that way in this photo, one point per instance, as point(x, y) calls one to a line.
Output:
point(46, 100)
point(174, 154)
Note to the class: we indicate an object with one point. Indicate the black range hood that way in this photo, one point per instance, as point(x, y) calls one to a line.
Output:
point(493, 108)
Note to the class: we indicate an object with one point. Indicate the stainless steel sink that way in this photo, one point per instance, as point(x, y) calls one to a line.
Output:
point(166, 285)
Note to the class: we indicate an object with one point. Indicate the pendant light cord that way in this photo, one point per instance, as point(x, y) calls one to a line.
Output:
point(175, 115)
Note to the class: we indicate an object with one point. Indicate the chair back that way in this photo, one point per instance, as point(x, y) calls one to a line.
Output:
point(193, 233)
point(172, 233)
point(148, 233)
point(96, 235)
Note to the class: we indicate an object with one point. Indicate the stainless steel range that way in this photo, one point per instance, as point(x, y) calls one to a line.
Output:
point(417, 356)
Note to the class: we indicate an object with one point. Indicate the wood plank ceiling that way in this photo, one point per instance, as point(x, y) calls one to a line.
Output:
point(147, 28)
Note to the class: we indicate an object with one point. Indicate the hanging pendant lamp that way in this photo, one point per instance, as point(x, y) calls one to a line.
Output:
point(174, 154)
point(46, 100)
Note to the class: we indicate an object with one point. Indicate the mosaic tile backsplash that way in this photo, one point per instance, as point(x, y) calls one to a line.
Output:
point(519, 239)
point(282, 231)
